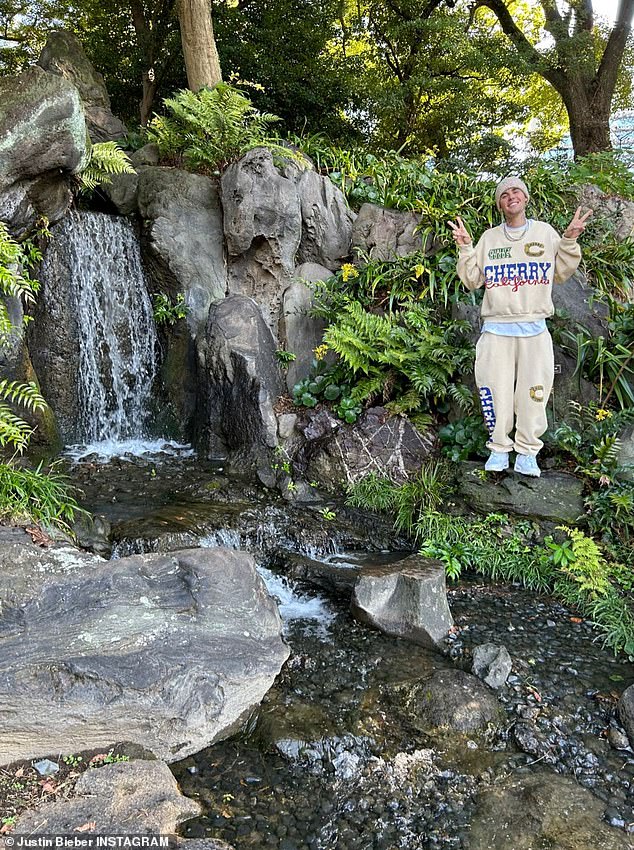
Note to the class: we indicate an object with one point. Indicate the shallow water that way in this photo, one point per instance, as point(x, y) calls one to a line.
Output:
point(333, 759)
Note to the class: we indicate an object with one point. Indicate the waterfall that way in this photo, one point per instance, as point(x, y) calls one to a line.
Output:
point(117, 337)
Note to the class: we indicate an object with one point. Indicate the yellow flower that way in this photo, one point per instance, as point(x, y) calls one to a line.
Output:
point(320, 352)
point(348, 271)
point(419, 270)
point(602, 414)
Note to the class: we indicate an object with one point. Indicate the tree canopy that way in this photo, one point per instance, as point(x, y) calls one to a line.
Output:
point(459, 77)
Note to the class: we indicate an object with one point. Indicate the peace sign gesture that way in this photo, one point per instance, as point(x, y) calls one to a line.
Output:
point(578, 224)
point(460, 233)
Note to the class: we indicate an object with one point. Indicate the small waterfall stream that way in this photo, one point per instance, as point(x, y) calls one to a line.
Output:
point(117, 333)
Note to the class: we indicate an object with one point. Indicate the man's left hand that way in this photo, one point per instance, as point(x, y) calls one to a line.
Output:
point(578, 224)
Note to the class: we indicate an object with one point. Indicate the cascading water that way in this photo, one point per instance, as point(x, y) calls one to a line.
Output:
point(101, 258)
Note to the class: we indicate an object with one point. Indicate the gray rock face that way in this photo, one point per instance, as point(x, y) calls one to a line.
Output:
point(457, 700)
point(263, 229)
point(63, 55)
point(407, 599)
point(542, 810)
point(574, 297)
point(385, 234)
point(184, 228)
point(389, 446)
point(326, 222)
point(492, 664)
point(243, 380)
point(626, 454)
point(625, 710)
point(300, 332)
point(617, 210)
point(171, 652)
point(43, 129)
point(556, 496)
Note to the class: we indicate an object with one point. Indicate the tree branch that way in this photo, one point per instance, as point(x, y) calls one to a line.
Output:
point(605, 79)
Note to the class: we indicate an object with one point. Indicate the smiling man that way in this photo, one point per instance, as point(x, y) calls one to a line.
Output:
point(517, 262)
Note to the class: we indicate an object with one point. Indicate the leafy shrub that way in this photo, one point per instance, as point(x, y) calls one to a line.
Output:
point(591, 439)
point(15, 281)
point(210, 128)
point(327, 383)
point(166, 311)
point(465, 438)
point(35, 495)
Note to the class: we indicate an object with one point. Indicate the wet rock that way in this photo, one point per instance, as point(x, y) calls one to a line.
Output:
point(63, 55)
point(263, 229)
point(43, 126)
point(556, 496)
point(385, 234)
point(183, 220)
point(296, 731)
point(326, 221)
point(531, 741)
point(300, 332)
point(128, 798)
point(243, 381)
point(389, 446)
point(458, 701)
point(618, 739)
point(541, 810)
point(407, 599)
point(492, 664)
point(169, 652)
point(625, 711)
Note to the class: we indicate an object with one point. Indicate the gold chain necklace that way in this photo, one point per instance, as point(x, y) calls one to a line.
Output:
point(521, 235)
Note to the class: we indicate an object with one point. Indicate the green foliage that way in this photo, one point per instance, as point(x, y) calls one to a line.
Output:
point(284, 357)
point(15, 281)
point(591, 439)
point(35, 495)
point(14, 431)
point(166, 311)
point(208, 129)
point(327, 383)
point(106, 158)
point(465, 438)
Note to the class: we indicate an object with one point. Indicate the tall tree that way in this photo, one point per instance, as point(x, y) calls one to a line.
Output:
point(199, 45)
point(585, 78)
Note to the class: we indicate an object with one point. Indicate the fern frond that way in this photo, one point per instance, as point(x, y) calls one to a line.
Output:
point(27, 395)
point(106, 158)
point(13, 430)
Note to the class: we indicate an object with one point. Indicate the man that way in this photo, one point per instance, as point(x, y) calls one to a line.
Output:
point(517, 262)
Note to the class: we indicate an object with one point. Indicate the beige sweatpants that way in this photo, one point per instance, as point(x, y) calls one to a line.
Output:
point(514, 376)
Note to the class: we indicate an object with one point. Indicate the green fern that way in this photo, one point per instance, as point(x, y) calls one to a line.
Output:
point(210, 128)
point(106, 158)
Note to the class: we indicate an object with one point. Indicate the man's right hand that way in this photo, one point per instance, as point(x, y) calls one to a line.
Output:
point(460, 233)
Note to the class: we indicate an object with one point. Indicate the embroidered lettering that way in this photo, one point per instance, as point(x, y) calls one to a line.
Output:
point(534, 249)
point(488, 411)
point(499, 253)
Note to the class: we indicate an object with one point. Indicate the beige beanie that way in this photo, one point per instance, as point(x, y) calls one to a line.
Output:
point(510, 183)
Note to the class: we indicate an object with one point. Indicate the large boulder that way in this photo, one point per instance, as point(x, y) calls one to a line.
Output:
point(263, 230)
point(625, 711)
point(43, 129)
point(170, 652)
point(384, 234)
point(183, 221)
point(579, 305)
point(63, 55)
point(243, 381)
point(407, 599)
point(326, 221)
point(626, 453)
point(300, 332)
point(556, 496)
point(336, 454)
point(542, 810)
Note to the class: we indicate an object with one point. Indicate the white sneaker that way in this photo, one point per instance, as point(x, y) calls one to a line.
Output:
point(527, 465)
point(497, 462)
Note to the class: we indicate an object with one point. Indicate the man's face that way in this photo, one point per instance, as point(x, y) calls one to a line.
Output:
point(512, 202)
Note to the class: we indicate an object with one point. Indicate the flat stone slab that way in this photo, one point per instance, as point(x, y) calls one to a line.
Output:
point(556, 496)
point(407, 599)
point(168, 651)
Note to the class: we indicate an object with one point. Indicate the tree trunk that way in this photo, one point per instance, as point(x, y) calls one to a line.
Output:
point(589, 117)
point(147, 102)
point(199, 46)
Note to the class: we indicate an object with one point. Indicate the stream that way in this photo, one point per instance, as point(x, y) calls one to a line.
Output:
point(337, 755)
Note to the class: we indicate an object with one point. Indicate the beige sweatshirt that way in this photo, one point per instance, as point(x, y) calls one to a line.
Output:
point(518, 274)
